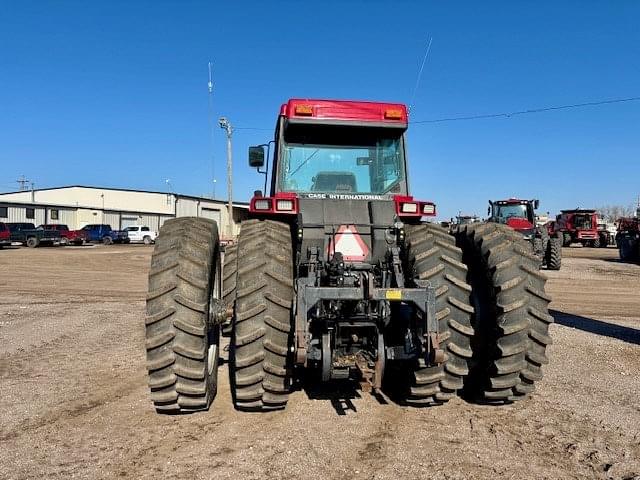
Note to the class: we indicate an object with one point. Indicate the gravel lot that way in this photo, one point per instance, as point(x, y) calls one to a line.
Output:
point(74, 400)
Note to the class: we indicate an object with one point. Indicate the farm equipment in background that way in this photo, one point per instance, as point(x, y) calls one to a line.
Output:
point(607, 233)
point(336, 273)
point(578, 226)
point(467, 219)
point(520, 216)
point(628, 239)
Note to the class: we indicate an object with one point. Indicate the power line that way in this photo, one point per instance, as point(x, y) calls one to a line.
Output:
point(526, 112)
point(503, 114)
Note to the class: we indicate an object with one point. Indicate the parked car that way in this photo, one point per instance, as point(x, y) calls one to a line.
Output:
point(141, 233)
point(27, 234)
point(5, 236)
point(77, 237)
point(101, 232)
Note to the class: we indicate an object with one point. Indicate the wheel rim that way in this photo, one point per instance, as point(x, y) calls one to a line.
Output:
point(214, 332)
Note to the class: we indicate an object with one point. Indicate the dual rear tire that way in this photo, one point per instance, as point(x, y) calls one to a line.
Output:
point(511, 319)
point(181, 337)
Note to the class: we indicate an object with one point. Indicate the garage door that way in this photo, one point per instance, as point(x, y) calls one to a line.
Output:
point(129, 221)
point(212, 214)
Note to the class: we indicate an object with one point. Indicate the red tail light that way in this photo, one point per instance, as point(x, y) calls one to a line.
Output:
point(282, 203)
point(406, 206)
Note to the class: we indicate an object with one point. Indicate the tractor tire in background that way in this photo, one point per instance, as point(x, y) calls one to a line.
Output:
point(511, 320)
point(262, 337)
point(433, 256)
point(566, 240)
point(628, 248)
point(229, 274)
point(181, 340)
point(554, 253)
point(604, 241)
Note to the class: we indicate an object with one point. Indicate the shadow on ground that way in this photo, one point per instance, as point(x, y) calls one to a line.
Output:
point(586, 324)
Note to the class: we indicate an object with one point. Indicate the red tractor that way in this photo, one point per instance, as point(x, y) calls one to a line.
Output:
point(520, 216)
point(628, 239)
point(578, 226)
point(336, 273)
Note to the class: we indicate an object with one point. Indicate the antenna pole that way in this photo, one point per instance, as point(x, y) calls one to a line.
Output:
point(211, 128)
point(419, 77)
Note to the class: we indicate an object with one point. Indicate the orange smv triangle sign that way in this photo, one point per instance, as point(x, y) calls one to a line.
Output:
point(349, 243)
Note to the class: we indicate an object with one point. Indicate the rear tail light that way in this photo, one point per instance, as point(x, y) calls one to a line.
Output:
point(284, 205)
point(262, 204)
point(409, 207)
point(428, 209)
point(406, 206)
point(280, 203)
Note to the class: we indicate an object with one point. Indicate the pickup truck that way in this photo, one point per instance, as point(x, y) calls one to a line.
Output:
point(105, 234)
point(77, 237)
point(5, 236)
point(141, 233)
point(27, 234)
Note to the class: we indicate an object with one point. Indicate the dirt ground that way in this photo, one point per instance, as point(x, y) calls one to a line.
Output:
point(74, 400)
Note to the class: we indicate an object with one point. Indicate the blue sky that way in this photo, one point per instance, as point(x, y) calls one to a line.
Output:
point(114, 93)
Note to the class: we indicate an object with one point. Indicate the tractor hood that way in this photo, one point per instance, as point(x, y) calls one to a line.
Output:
point(520, 224)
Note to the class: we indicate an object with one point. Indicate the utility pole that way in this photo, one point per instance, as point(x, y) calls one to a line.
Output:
point(23, 182)
point(226, 126)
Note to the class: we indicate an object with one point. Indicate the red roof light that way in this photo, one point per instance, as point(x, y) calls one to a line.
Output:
point(379, 112)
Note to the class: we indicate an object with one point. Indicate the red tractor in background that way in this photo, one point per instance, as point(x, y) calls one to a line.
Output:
point(578, 226)
point(520, 216)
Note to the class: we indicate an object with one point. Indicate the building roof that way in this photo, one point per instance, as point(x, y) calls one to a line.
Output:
point(179, 195)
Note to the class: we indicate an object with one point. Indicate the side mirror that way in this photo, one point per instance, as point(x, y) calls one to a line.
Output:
point(489, 210)
point(536, 204)
point(256, 157)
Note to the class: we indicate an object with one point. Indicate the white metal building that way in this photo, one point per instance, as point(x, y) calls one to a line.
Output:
point(79, 205)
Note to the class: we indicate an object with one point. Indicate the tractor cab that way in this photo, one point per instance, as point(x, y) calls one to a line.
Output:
point(516, 213)
point(338, 172)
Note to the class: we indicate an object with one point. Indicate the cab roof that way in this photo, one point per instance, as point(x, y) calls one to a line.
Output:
point(345, 111)
point(578, 210)
point(512, 201)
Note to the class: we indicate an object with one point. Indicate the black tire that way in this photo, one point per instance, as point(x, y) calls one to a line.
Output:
point(627, 248)
point(511, 318)
point(566, 240)
point(604, 241)
point(432, 255)
point(78, 242)
point(107, 240)
point(146, 240)
point(181, 341)
point(554, 253)
point(595, 243)
point(229, 274)
point(261, 340)
point(33, 242)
